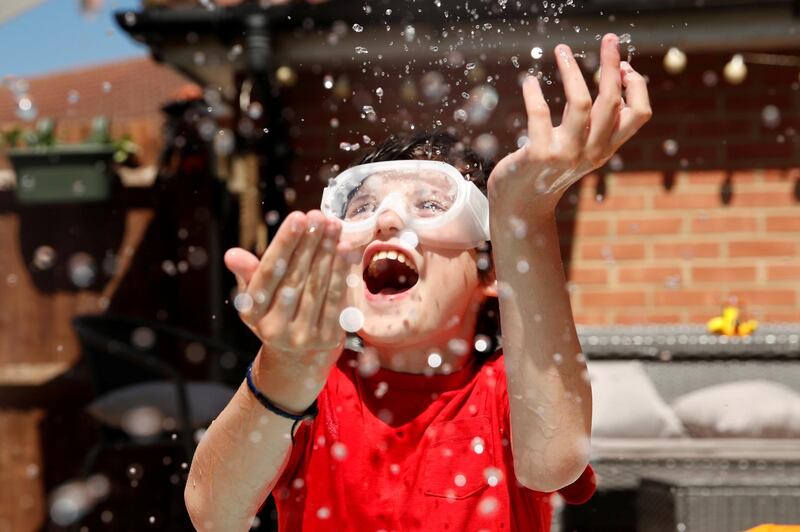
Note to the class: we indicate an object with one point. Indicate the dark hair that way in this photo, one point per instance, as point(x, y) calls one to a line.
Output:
point(445, 147)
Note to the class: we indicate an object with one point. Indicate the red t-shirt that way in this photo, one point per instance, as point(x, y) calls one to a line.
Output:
point(405, 452)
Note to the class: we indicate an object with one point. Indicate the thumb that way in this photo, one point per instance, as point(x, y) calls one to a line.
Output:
point(242, 264)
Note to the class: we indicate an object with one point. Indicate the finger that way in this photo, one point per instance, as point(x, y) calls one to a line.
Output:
point(637, 111)
point(328, 325)
point(283, 305)
point(275, 261)
point(242, 264)
point(540, 124)
point(605, 111)
point(317, 283)
point(579, 101)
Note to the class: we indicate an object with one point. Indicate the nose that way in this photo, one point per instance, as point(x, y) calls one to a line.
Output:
point(388, 223)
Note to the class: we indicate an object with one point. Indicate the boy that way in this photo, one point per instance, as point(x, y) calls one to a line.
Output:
point(416, 431)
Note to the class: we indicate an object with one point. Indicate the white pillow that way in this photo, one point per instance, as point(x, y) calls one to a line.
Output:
point(626, 404)
point(140, 408)
point(743, 409)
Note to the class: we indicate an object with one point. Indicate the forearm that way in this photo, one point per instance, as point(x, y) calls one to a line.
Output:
point(550, 399)
point(238, 461)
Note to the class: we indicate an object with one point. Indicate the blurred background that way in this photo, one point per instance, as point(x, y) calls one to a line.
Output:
point(140, 140)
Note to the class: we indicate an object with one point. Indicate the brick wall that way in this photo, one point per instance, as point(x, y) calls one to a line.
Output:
point(682, 226)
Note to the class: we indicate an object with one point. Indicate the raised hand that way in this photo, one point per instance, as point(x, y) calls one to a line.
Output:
point(589, 134)
point(291, 299)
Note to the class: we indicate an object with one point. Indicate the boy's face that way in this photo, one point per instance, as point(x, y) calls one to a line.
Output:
point(447, 288)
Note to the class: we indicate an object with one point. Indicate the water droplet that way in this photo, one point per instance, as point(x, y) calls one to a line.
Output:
point(339, 451)
point(327, 81)
point(710, 78)
point(73, 97)
point(625, 38)
point(616, 163)
point(460, 480)
point(458, 346)
point(351, 319)
point(358, 28)
point(82, 269)
point(410, 238)
point(482, 343)
point(44, 257)
point(361, 50)
point(243, 302)
point(224, 142)
point(134, 472)
point(522, 266)
point(488, 505)
point(771, 116)
point(142, 421)
point(324, 512)
point(434, 360)
point(493, 476)
point(537, 52)
point(368, 362)
point(478, 445)
point(670, 147)
point(379, 92)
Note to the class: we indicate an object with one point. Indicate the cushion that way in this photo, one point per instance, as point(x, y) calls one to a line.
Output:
point(146, 408)
point(626, 404)
point(743, 409)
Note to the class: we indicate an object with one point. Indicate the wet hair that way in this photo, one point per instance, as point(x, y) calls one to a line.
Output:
point(440, 146)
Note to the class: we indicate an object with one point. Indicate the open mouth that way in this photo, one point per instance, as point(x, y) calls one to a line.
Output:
point(390, 272)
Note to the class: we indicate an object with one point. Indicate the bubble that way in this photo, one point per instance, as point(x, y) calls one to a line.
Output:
point(482, 101)
point(522, 266)
point(537, 52)
point(458, 346)
point(25, 109)
point(351, 319)
point(358, 28)
point(460, 115)
point(710, 78)
point(339, 451)
point(486, 145)
point(477, 445)
point(44, 257)
point(195, 352)
point(243, 302)
point(82, 269)
point(410, 238)
point(493, 476)
point(368, 362)
point(134, 472)
point(771, 116)
point(69, 503)
point(434, 360)
point(670, 147)
point(482, 343)
point(142, 421)
point(353, 280)
point(434, 86)
point(324, 512)
point(488, 505)
point(224, 142)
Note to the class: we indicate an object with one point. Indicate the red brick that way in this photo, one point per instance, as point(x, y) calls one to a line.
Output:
point(624, 179)
point(630, 274)
point(584, 227)
point(686, 250)
point(761, 248)
point(613, 298)
point(761, 199)
point(588, 275)
point(723, 224)
point(781, 175)
point(612, 202)
point(647, 318)
point(687, 201)
point(783, 272)
point(683, 298)
point(591, 318)
point(617, 251)
point(766, 297)
point(658, 226)
point(776, 316)
point(723, 274)
point(783, 223)
point(705, 177)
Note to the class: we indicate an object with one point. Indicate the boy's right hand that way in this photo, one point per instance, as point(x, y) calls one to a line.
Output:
point(291, 299)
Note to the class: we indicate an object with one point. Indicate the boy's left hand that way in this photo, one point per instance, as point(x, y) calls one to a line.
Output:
point(536, 175)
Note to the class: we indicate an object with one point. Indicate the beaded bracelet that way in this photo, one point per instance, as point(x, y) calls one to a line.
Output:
point(310, 413)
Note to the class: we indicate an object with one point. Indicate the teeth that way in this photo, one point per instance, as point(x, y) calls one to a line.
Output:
point(392, 255)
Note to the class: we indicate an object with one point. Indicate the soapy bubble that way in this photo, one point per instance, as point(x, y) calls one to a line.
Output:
point(351, 319)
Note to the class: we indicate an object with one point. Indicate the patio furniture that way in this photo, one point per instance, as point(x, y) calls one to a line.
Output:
point(680, 359)
point(717, 502)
